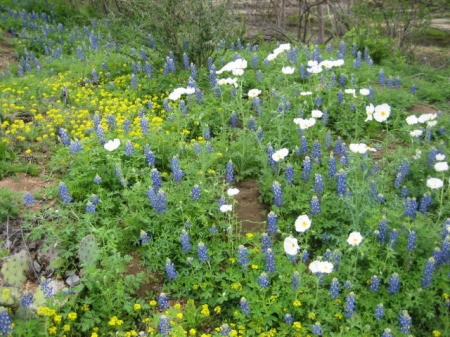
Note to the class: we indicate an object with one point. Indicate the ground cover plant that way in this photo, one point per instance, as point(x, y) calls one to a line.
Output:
point(138, 232)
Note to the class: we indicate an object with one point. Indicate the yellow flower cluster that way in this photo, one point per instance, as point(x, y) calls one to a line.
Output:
point(114, 321)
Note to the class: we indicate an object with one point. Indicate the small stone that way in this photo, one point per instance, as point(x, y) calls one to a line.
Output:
point(37, 267)
point(72, 279)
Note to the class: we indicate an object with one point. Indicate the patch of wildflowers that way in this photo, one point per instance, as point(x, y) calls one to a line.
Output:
point(379, 311)
point(177, 173)
point(245, 307)
point(164, 325)
point(263, 280)
point(265, 241)
point(307, 168)
point(410, 208)
point(425, 203)
point(196, 193)
point(334, 288)
point(315, 206)
point(289, 173)
point(350, 305)
point(272, 222)
point(243, 259)
point(5, 323)
point(393, 237)
point(269, 261)
point(318, 184)
point(317, 329)
point(341, 182)
point(229, 173)
point(411, 242)
point(64, 193)
point(28, 199)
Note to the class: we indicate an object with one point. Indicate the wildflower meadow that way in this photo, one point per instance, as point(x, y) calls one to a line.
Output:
point(145, 159)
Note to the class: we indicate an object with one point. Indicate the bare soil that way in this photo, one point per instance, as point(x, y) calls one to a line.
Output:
point(422, 108)
point(23, 183)
point(250, 211)
point(6, 54)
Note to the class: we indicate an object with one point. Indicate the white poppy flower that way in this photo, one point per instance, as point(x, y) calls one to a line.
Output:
point(305, 123)
point(434, 183)
point(312, 63)
point(302, 223)
point(315, 267)
point(288, 70)
point(252, 93)
point(364, 92)
point(354, 239)
point(370, 109)
point(360, 148)
point(351, 92)
point(314, 70)
point(280, 154)
point(412, 120)
point(233, 65)
point(430, 124)
point(316, 113)
point(226, 208)
point(112, 144)
point(228, 80)
point(440, 156)
point(238, 72)
point(305, 93)
point(382, 112)
point(416, 133)
point(441, 166)
point(423, 118)
point(338, 63)
point(291, 246)
point(232, 192)
point(326, 267)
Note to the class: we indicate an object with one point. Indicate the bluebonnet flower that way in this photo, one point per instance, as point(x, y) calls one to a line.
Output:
point(225, 330)
point(425, 203)
point(5, 323)
point(405, 322)
point(251, 123)
point(63, 136)
point(387, 333)
point(277, 194)
point(46, 287)
point(341, 182)
point(64, 193)
point(25, 301)
point(133, 82)
point(402, 172)
point(128, 148)
point(315, 205)
point(350, 305)
point(358, 61)
point(144, 237)
point(97, 179)
point(126, 125)
point(340, 97)
point(338, 147)
point(229, 177)
point(295, 281)
point(202, 252)
point(263, 280)
point(342, 48)
point(390, 82)
point(170, 270)
point(432, 157)
point(379, 311)
point(272, 222)
point(243, 304)
point(193, 71)
point(303, 146)
point(256, 102)
point(316, 153)
point(307, 168)
point(317, 329)
point(413, 89)
point(243, 259)
point(220, 202)
point(325, 117)
point(196, 192)
point(289, 174)
point(382, 229)
point(394, 284)
point(332, 167)
point(164, 325)
point(90, 207)
point(288, 319)
point(156, 179)
point(95, 78)
point(397, 82)
point(393, 237)
point(305, 256)
point(428, 272)
point(163, 301)
point(437, 255)
point(199, 95)
point(259, 76)
point(183, 107)
point(81, 55)
point(157, 200)
point(185, 242)
point(410, 208)
point(318, 184)
point(348, 284)
point(75, 147)
point(265, 241)
point(342, 80)
point(149, 156)
point(318, 101)
point(374, 283)
point(166, 105)
point(334, 288)
point(234, 120)
point(381, 77)
point(186, 62)
point(411, 242)
point(259, 133)
point(255, 61)
point(28, 199)
point(177, 173)
point(144, 125)
point(269, 261)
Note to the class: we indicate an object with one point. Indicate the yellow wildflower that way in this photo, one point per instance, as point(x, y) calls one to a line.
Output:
point(205, 310)
point(72, 316)
point(153, 303)
point(52, 330)
point(297, 326)
point(66, 327)
point(297, 303)
point(192, 332)
point(137, 307)
point(437, 333)
point(217, 309)
point(57, 318)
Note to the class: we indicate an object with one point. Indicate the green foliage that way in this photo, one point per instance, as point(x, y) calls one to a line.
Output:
point(9, 204)
point(87, 250)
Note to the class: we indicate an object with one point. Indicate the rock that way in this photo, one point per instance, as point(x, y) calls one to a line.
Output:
point(72, 279)
point(37, 267)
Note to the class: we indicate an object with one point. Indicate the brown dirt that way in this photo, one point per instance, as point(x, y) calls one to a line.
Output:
point(432, 55)
point(23, 183)
point(6, 54)
point(250, 212)
point(153, 282)
point(421, 108)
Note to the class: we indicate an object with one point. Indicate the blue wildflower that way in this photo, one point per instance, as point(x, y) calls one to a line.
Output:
point(394, 284)
point(277, 194)
point(202, 252)
point(170, 270)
